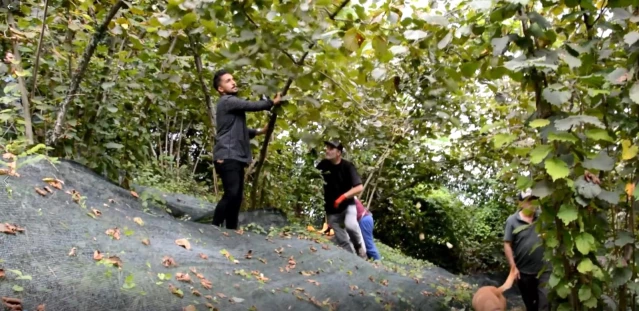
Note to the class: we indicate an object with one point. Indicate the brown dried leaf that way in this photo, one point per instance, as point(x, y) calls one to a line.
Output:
point(199, 276)
point(8, 156)
point(184, 243)
point(10, 229)
point(48, 189)
point(221, 295)
point(206, 283)
point(324, 246)
point(41, 307)
point(291, 263)
point(262, 260)
point(189, 308)
point(225, 233)
point(279, 250)
point(112, 201)
point(4, 171)
point(249, 255)
point(209, 297)
point(114, 233)
point(134, 194)
point(96, 212)
point(97, 255)
point(174, 290)
point(146, 242)
point(313, 249)
point(183, 277)
point(204, 256)
point(240, 232)
point(1, 273)
point(316, 283)
point(210, 306)
point(195, 292)
point(138, 221)
point(72, 252)
point(384, 282)
point(41, 192)
point(192, 269)
point(12, 304)
point(168, 262)
point(115, 260)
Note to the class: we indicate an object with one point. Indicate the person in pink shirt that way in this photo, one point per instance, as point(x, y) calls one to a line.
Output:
point(366, 224)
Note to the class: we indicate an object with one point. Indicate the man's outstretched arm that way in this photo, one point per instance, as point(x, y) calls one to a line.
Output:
point(238, 104)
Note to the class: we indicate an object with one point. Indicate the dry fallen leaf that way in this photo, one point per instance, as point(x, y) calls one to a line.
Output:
point(135, 194)
point(12, 304)
point(114, 233)
point(41, 307)
point(138, 221)
point(210, 306)
point(72, 252)
point(168, 262)
point(249, 255)
point(324, 246)
point(48, 189)
point(199, 276)
point(313, 249)
point(209, 297)
point(97, 255)
point(146, 242)
point(1, 273)
point(240, 232)
point(176, 291)
point(384, 282)
point(189, 308)
point(195, 292)
point(96, 212)
point(184, 243)
point(316, 283)
point(279, 250)
point(192, 269)
point(41, 192)
point(291, 263)
point(225, 233)
point(115, 260)
point(221, 295)
point(204, 256)
point(184, 277)
point(53, 182)
point(206, 283)
point(262, 260)
point(10, 229)
point(112, 201)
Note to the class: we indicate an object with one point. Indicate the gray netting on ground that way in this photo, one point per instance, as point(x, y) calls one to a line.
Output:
point(55, 224)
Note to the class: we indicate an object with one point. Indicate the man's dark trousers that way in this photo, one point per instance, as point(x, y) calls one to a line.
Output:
point(228, 209)
point(533, 291)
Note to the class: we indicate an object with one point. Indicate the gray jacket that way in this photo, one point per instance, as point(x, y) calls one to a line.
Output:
point(233, 136)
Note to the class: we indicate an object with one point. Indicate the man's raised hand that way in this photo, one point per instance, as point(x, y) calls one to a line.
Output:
point(277, 99)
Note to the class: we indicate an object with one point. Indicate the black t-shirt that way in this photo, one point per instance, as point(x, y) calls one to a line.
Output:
point(338, 179)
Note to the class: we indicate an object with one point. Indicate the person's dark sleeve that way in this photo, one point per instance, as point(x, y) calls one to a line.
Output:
point(235, 103)
point(508, 232)
point(355, 179)
point(252, 133)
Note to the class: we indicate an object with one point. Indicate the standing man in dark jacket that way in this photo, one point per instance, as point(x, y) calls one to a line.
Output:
point(341, 185)
point(232, 151)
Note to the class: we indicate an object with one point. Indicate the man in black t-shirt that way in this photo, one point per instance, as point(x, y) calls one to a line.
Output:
point(341, 184)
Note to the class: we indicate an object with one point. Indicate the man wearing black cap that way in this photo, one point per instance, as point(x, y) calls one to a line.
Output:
point(525, 253)
point(232, 151)
point(341, 184)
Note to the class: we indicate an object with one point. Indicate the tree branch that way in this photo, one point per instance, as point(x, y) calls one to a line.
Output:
point(273, 118)
point(26, 109)
point(79, 73)
point(39, 49)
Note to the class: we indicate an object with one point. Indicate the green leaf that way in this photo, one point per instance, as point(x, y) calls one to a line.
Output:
point(415, 34)
point(554, 96)
point(17, 288)
point(568, 213)
point(599, 134)
point(521, 228)
point(107, 85)
point(553, 280)
point(586, 189)
point(628, 151)
point(618, 76)
point(631, 37)
point(189, 18)
point(539, 123)
point(585, 292)
point(602, 162)
point(573, 121)
point(469, 69)
point(351, 40)
point(563, 137)
point(539, 153)
point(524, 182)
point(585, 243)
point(499, 45)
point(621, 276)
point(502, 139)
point(436, 20)
point(624, 238)
point(611, 197)
point(585, 266)
point(634, 92)
point(113, 146)
point(443, 43)
point(556, 168)
point(563, 291)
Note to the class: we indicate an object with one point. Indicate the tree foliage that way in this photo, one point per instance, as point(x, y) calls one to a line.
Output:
point(480, 97)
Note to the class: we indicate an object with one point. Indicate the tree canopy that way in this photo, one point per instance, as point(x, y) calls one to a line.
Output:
point(481, 97)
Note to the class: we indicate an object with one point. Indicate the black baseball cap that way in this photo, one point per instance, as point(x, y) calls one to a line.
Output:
point(334, 144)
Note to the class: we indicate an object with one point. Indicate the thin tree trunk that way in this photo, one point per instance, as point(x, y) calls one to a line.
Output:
point(39, 49)
point(79, 73)
point(210, 110)
point(273, 118)
point(24, 95)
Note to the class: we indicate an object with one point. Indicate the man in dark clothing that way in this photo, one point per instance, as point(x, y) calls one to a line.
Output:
point(341, 184)
point(232, 151)
point(524, 254)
